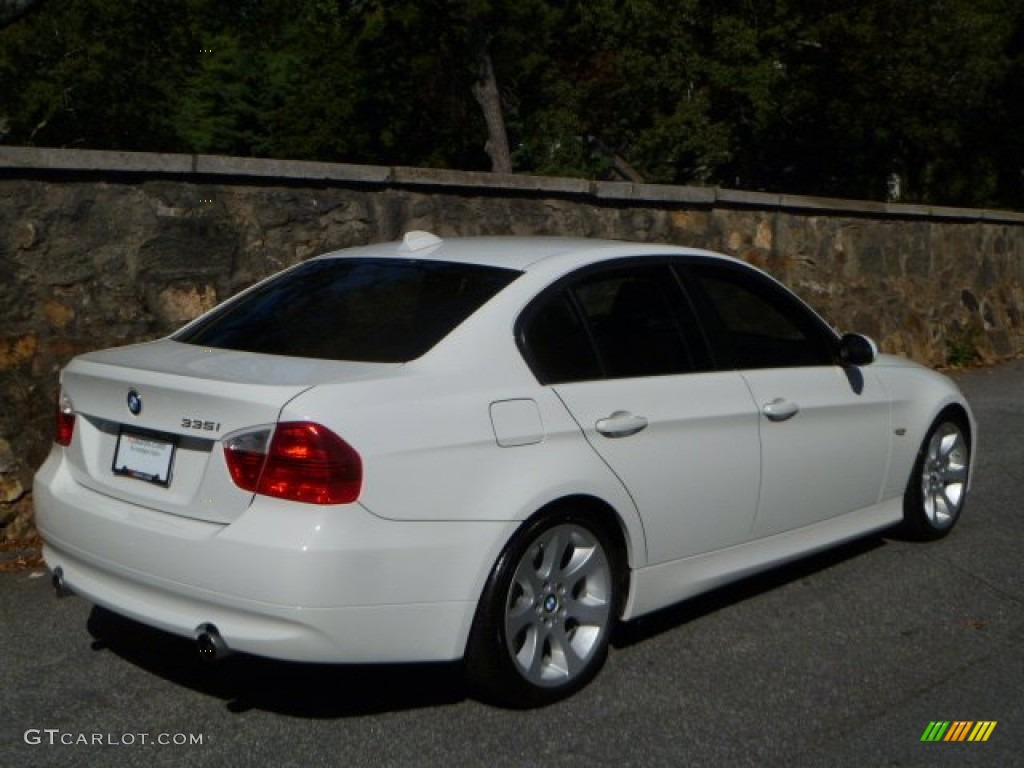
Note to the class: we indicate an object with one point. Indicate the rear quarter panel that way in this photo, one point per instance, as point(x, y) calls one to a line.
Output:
point(430, 452)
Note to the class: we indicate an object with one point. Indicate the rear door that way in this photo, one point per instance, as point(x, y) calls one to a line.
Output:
point(618, 347)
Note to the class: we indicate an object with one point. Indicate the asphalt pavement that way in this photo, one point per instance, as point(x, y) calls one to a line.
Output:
point(844, 659)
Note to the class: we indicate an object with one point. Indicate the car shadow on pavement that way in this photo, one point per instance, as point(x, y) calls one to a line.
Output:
point(335, 691)
point(299, 690)
point(675, 616)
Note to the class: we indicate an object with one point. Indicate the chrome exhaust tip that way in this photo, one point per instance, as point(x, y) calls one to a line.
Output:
point(209, 643)
point(59, 585)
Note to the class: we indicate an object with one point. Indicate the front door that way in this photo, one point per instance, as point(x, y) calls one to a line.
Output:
point(824, 429)
point(826, 458)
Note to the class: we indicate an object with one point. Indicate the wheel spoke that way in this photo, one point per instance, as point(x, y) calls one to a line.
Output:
point(950, 504)
point(520, 616)
point(530, 655)
point(553, 550)
point(950, 444)
point(564, 657)
point(593, 614)
point(584, 562)
point(528, 578)
point(954, 474)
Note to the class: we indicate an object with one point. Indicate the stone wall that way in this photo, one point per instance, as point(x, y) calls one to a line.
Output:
point(103, 248)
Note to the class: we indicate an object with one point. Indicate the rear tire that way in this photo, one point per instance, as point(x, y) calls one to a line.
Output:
point(543, 625)
point(937, 490)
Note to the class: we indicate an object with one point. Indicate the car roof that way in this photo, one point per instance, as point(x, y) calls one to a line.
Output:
point(511, 252)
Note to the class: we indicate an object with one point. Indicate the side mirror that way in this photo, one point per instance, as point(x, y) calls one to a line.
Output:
point(857, 349)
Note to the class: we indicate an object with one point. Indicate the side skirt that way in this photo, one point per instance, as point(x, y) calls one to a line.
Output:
point(661, 585)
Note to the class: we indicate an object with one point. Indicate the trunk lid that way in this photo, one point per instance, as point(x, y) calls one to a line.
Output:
point(169, 455)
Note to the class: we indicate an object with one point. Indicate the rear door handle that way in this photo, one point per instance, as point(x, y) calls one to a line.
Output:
point(780, 409)
point(620, 424)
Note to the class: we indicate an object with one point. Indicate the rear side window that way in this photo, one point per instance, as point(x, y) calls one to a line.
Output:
point(368, 310)
point(615, 323)
point(634, 322)
point(559, 344)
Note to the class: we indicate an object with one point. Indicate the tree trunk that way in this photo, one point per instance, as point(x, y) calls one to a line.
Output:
point(485, 91)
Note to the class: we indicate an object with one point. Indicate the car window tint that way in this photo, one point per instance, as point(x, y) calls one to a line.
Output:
point(559, 346)
point(369, 310)
point(633, 318)
point(751, 323)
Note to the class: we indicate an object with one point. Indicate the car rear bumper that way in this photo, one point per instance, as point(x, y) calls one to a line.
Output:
point(287, 581)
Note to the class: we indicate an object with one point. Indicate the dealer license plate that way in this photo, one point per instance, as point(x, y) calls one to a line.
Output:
point(144, 456)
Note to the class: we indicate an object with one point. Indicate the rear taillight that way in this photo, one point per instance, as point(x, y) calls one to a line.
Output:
point(64, 428)
point(245, 455)
point(304, 462)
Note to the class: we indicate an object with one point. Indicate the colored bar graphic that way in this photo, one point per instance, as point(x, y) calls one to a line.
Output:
point(982, 730)
point(935, 731)
point(958, 730)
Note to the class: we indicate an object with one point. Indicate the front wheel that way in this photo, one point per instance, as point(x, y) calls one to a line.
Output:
point(937, 490)
point(543, 624)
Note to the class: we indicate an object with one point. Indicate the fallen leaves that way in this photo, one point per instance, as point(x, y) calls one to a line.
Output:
point(21, 555)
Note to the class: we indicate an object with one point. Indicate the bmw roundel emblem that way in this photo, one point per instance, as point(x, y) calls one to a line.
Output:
point(134, 402)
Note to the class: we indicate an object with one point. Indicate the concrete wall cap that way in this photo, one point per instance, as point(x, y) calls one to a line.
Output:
point(24, 161)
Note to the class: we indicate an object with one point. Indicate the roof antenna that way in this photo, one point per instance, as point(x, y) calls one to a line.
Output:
point(418, 240)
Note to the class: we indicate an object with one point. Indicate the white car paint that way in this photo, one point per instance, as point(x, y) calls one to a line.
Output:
point(832, 453)
point(459, 448)
point(706, 428)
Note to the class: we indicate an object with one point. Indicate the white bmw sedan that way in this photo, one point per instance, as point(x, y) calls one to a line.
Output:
point(490, 449)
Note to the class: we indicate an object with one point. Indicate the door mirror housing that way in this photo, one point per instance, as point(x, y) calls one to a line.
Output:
point(857, 349)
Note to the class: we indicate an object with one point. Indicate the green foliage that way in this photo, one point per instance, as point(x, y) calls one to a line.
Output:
point(92, 73)
point(962, 347)
point(906, 87)
point(218, 111)
point(803, 96)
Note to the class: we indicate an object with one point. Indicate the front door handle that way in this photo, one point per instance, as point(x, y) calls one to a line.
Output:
point(620, 424)
point(780, 409)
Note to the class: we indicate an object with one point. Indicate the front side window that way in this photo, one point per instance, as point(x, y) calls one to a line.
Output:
point(368, 310)
point(751, 323)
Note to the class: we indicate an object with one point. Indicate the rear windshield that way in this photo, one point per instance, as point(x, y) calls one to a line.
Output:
point(368, 310)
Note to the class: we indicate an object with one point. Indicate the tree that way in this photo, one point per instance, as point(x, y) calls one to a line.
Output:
point(882, 87)
point(485, 91)
point(802, 96)
point(93, 73)
point(12, 10)
point(217, 104)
